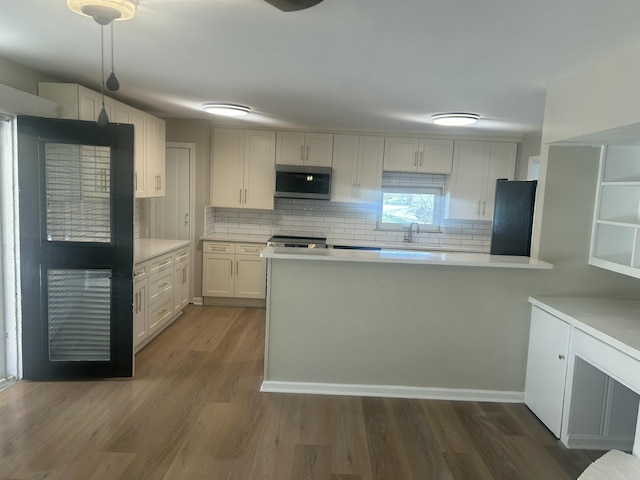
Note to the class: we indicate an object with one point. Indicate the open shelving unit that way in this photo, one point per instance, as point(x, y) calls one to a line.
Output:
point(615, 240)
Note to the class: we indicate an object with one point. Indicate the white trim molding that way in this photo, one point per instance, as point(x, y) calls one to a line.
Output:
point(393, 391)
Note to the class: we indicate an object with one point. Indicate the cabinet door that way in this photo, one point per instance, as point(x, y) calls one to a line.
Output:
point(436, 156)
point(401, 154)
point(547, 368)
point(290, 148)
point(259, 169)
point(466, 180)
point(218, 275)
point(140, 302)
point(155, 133)
point(251, 271)
point(160, 156)
point(138, 118)
point(318, 149)
point(369, 179)
point(181, 287)
point(90, 105)
point(227, 172)
point(500, 162)
point(345, 168)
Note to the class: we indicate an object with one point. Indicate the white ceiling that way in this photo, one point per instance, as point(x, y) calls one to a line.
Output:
point(380, 65)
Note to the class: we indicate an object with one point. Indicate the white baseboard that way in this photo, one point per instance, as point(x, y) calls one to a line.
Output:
point(197, 300)
point(393, 391)
point(597, 442)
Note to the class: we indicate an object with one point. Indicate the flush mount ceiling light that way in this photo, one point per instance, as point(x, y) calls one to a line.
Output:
point(455, 119)
point(104, 11)
point(226, 109)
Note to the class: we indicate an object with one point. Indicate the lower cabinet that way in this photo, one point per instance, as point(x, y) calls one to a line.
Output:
point(233, 270)
point(161, 291)
point(547, 368)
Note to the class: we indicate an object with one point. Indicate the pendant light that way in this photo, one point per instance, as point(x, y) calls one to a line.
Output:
point(112, 82)
point(104, 12)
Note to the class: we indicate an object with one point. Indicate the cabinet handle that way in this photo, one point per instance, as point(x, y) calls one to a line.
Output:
point(358, 191)
point(186, 219)
point(478, 209)
point(560, 357)
point(307, 149)
point(353, 194)
point(164, 285)
point(484, 207)
point(302, 153)
point(421, 157)
point(237, 267)
point(166, 262)
point(415, 159)
point(232, 268)
point(135, 181)
point(240, 197)
point(245, 196)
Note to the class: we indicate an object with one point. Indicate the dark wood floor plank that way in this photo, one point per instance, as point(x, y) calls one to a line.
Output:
point(418, 441)
point(447, 428)
point(388, 459)
point(311, 462)
point(350, 454)
point(194, 411)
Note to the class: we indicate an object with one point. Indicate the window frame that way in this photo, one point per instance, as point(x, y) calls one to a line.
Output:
point(437, 190)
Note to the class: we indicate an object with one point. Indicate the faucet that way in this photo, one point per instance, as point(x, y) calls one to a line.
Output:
point(408, 237)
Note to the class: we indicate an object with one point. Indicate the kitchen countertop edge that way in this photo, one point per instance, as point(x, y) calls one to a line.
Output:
point(460, 259)
point(146, 248)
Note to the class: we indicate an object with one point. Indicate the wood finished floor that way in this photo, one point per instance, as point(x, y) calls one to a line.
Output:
point(193, 411)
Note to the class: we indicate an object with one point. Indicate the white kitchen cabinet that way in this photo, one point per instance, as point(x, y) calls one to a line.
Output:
point(181, 276)
point(75, 101)
point(126, 114)
point(243, 168)
point(357, 168)
point(472, 184)
point(615, 240)
point(233, 270)
point(80, 103)
point(304, 148)
point(423, 155)
point(140, 302)
point(155, 148)
point(161, 291)
point(547, 368)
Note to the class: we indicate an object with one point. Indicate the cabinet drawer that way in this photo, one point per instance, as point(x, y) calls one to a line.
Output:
point(182, 255)
point(249, 248)
point(140, 271)
point(160, 284)
point(160, 313)
point(218, 247)
point(160, 263)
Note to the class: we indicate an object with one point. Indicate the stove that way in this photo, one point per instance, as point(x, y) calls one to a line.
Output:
point(297, 242)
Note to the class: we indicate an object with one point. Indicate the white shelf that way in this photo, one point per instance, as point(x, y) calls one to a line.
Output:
point(615, 240)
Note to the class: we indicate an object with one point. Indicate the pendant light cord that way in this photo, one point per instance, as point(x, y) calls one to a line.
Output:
point(112, 69)
point(102, 63)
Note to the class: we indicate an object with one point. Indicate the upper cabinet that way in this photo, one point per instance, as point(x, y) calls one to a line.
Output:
point(615, 240)
point(304, 148)
point(406, 154)
point(357, 168)
point(472, 184)
point(79, 103)
point(243, 168)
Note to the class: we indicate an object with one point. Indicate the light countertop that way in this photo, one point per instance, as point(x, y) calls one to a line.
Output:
point(221, 237)
point(461, 259)
point(146, 248)
point(617, 322)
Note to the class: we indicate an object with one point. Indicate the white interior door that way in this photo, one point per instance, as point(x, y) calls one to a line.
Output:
point(173, 215)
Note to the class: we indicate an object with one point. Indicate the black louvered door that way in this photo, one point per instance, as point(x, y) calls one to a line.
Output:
point(76, 248)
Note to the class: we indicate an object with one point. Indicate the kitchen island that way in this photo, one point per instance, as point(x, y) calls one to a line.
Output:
point(398, 323)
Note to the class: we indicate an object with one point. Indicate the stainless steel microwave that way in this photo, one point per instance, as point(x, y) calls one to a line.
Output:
point(295, 181)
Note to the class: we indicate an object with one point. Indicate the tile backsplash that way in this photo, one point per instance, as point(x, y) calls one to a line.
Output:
point(345, 222)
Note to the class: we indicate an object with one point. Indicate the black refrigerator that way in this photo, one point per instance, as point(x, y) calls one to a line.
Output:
point(513, 217)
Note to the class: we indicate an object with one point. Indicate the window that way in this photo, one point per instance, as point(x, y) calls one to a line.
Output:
point(402, 206)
